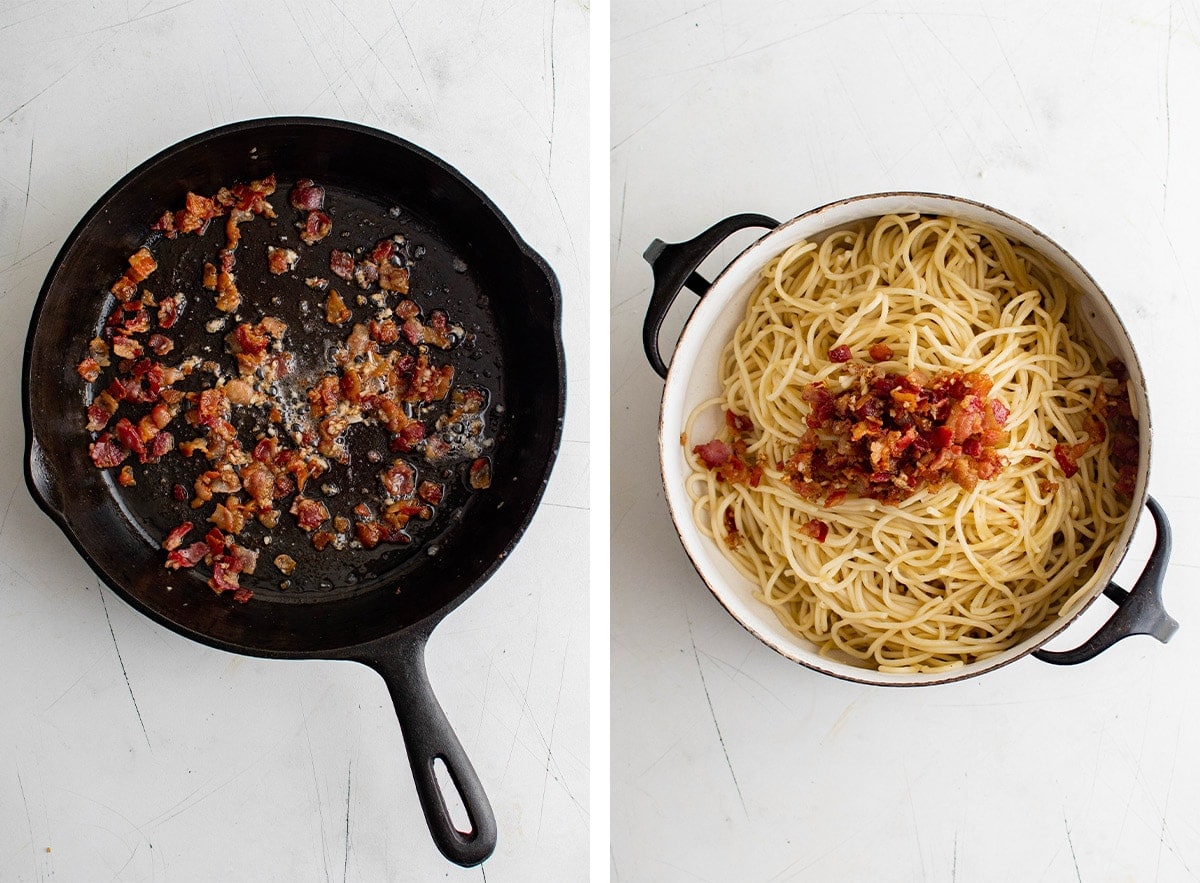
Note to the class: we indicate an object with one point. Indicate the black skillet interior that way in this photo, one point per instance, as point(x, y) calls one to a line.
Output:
point(468, 260)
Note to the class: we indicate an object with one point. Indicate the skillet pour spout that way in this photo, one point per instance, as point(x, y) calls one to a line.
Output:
point(376, 606)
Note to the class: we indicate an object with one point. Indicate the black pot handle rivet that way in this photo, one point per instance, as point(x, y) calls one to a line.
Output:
point(1140, 611)
point(428, 737)
point(674, 266)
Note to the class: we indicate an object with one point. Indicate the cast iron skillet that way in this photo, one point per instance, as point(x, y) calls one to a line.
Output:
point(376, 608)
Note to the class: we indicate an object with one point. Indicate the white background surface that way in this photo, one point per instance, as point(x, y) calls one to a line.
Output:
point(129, 753)
point(728, 761)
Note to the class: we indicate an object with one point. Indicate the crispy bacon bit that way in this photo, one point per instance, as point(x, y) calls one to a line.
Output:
point(285, 563)
point(209, 278)
point(368, 533)
point(738, 422)
point(336, 311)
point(307, 195)
point(175, 538)
point(281, 260)
point(88, 369)
point(310, 514)
point(316, 227)
point(880, 352)
point(106, 453)
point(170, 310)
point(481, 474)
point(228, 297)
point(407, 309)
point(160, 344)
point(366, 274)
point(165, 224)
point(816, 529)
point(189, 556)
point(715, 453)
point(385, 331)
point(393, 278)
point(341, 263)
point(397, 479)
point(840, 354)
point(430, 492)
point(125, 478)
point(141, 264)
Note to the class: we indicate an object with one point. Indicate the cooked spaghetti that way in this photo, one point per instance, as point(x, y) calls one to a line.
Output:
point(923, 459)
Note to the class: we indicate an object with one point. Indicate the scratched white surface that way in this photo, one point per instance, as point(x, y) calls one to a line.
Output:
point(129, 753)
point(728, 761)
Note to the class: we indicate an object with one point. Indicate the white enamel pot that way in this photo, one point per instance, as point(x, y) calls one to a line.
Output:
point(692, 378)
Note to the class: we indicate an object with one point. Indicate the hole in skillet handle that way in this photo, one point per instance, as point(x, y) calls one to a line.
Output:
point(674, 266)
point(456, 808)
point(1140, 610)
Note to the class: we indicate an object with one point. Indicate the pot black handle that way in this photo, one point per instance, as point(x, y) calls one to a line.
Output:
point(674, 265)
point(1140, 611)
point(428, 737)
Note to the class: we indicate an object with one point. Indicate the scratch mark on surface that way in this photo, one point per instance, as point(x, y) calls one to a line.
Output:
point(689, 90)
point(483, 872)
point(29, 821)
point(25, 211)
point(7, 507)
point(1167, 99)
point(550, 745)
point(416, 62)
point(124, 673)
point(346, 858)
point(620, 223)
point(1074, 858)
point(553, 84)
point(713, 714)
point(1012, 71)
point(320, 803)
point(954, 861)
point(537, 622)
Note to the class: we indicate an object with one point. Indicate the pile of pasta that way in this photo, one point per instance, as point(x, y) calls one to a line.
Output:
point(949, 573)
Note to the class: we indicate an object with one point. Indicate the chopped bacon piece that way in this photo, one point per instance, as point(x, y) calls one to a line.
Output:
point(209, 277)
point(98, 416)
point(480, 476)
point(106, 453)
point(316, 227)
point(342, 264)
point(816, 529)
point(385, 331)
point(125, 478)
point(141, 264)
point(336, 311)
point(124, 289)
point(175, 538)
point(281, 260)
point(225, 575)
point(160, 344)
point(738, 422)
point(1065, 456)
point(397, 479)
point(189, 556)
point(165, 224)
point(880, 352)
point(88, 369)
point(713, 454)
point(407, 309)
point(393, 278)
point(430, 492)
point(285, 563)
point(369, 533)
point(366, 274)
point(125, 348)
point(322, 538)
point(307, 195)
point(128, 436)
point(840, 353)
point(170, 310)
point(310, 514)
point(228, 296)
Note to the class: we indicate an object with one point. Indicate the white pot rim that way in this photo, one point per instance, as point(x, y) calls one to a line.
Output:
point(691, 378)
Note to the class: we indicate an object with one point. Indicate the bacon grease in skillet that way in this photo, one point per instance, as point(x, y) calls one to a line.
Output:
point(263, 423)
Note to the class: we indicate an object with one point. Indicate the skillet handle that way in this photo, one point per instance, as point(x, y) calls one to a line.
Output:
point(1140, 611)
point(674, 266)
point(428, 736)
